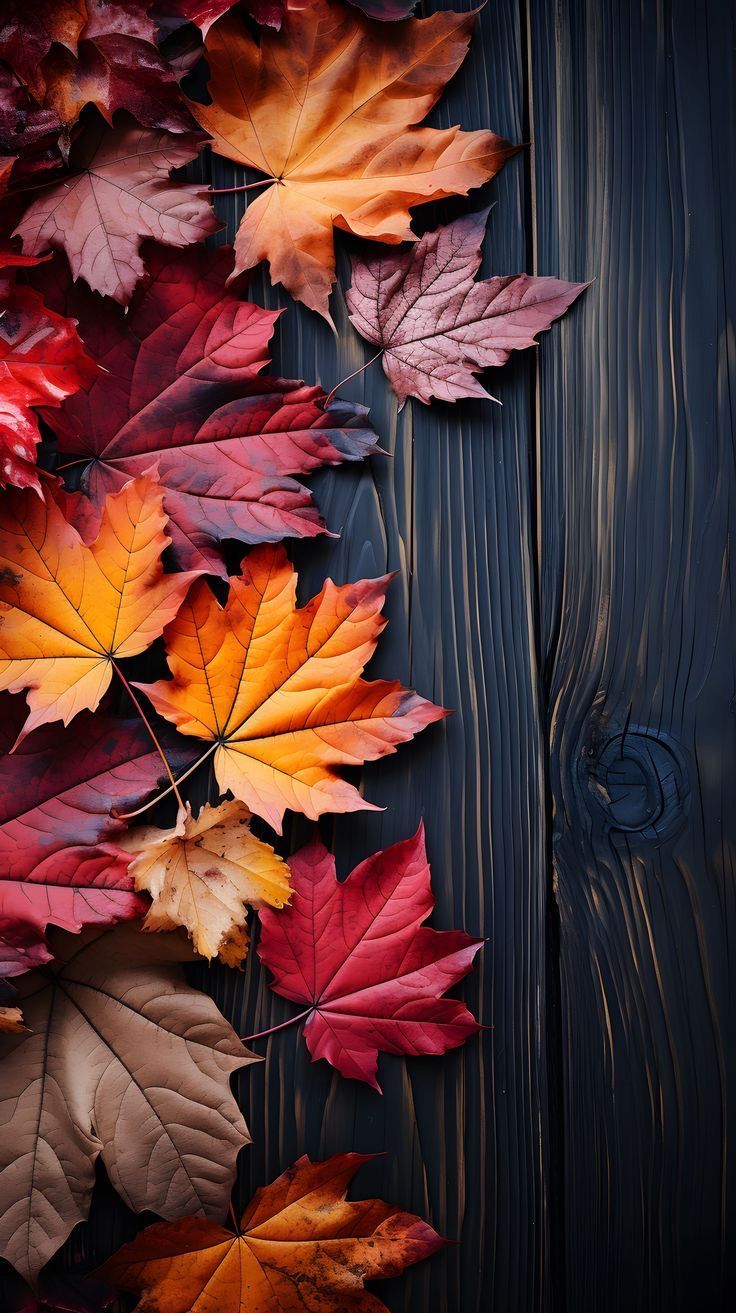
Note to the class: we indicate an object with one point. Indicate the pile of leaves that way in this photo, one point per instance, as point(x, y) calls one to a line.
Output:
point(145, 445)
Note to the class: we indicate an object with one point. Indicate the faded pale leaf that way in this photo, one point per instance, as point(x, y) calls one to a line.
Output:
point(301, 1246)
point(327, 109)
point(203, 872)
point(120, 195)
point(123, 1060)
point(278, 688)
point(437, 328)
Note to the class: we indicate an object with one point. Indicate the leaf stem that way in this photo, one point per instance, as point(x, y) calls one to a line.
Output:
point(248, 1039)
point(83, 460)
point(234, 1219)
point(128, 816)
point(247, 186)
point(150, 729)
point(354, 374)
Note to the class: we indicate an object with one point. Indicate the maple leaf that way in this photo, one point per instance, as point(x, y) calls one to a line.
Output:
point(68, 611)
point(116, 65)
point(42, 360)
point(301, 1245)
point(120, 194)
point(327, 110)
point(358, 955)
point(202, 872)
point(60, 856)
point(277, 690)
point(27, 32)
point(182, 389)
point(124, 1061)
point(435, 326)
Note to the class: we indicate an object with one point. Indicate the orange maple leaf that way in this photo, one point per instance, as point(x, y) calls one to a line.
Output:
point(301, 1245)
point(69, 610)
point(327, 108)
point(277, 689)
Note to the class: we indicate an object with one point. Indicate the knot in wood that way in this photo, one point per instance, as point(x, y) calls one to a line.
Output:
point(637, 783)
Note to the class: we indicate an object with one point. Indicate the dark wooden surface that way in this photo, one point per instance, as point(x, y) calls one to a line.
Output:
point(564, 586)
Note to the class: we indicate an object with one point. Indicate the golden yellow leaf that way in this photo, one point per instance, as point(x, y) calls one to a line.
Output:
point(277, 689)
point(201, 874)
point(69, 610)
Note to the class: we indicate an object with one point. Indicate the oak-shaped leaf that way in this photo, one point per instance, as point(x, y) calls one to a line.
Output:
point(277, 691)
point(327, 109)
point(300, 1245)
point(201, 873)
point(61, 861)
point(183, 389)
point(358, 956)
point(115, 66)
point(436, 327)
point(69, 611)
point(42, 361)
point(123, 1060)
point(119, 192)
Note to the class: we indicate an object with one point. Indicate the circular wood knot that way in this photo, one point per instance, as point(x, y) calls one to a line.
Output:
point(638, 781)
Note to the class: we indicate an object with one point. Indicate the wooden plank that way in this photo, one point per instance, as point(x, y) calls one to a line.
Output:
point(464, 1137)
point(633, 129)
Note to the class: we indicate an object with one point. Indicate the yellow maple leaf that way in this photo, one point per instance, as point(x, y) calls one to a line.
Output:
point(201, 873)
point(69, 610)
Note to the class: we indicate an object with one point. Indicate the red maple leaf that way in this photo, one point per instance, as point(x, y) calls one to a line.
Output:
point(358, 955)
point(59, 862)
point(183, 391)
point(42, 360)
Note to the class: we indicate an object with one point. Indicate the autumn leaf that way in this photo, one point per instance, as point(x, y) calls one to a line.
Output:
point(124, 1061)
point(29, 135)
point(42, 361)
point(277, 691)
point(61, 860)
point(11, 1021)
point(327, 109)
point(436, 327)
point(69, 611)
point(115, 65)
point(300, 1246)
point(118, 194)
point(22, 947)
point(202, 872)
point(182, 389)
point(28, 30)
point(356, 953)
point(206, 12)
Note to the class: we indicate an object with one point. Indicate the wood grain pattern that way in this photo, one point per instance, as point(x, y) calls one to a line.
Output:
point(633, 128)
point(564, 586)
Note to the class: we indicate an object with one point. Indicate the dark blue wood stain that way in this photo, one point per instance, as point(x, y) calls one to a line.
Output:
point(564, 587)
